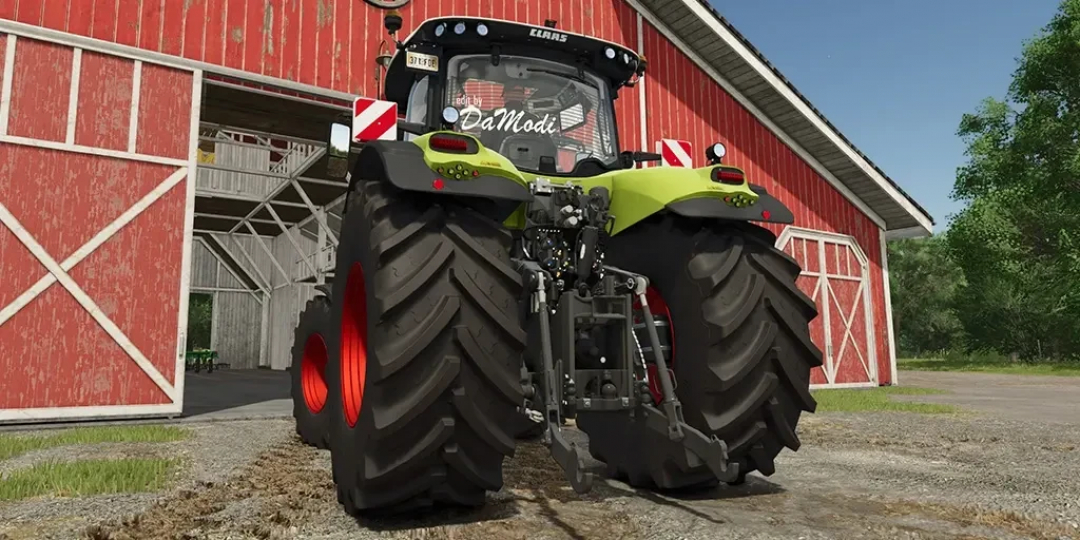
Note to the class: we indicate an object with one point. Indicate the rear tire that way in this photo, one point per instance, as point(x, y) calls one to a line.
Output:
point(428, 353)
point(308, 373)
point(742, 351)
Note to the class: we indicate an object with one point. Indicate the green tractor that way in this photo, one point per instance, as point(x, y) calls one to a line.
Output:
point(503, 267)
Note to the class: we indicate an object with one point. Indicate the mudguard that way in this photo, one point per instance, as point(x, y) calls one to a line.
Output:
point(402, 164)
point(694, 193)
point(767, 209)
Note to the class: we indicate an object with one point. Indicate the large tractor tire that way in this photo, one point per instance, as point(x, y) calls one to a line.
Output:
point(426, 304)
point(741, 352)
point(308, 371)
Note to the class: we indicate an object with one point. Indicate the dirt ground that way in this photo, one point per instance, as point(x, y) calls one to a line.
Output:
point(873, 476)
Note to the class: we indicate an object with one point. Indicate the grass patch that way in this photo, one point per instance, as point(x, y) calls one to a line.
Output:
point(878, 399)
point(15, 445)
point(90, 477)
point(990, 363)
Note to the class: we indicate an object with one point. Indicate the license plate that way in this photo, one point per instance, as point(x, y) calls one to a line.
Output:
point(425, 62)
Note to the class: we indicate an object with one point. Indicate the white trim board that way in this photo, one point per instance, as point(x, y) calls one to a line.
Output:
point(15, 416)
point(5, 90)
point(189, 223)
point(92, 151)
point(888, 309)
point(870, 384)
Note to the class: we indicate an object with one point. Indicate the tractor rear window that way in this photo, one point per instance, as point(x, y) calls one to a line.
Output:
point(526, 108)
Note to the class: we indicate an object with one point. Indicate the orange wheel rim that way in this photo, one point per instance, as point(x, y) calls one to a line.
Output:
point(354, 325)
point(313, 373)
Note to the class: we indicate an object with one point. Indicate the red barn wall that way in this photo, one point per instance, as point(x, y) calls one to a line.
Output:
point(333, 44)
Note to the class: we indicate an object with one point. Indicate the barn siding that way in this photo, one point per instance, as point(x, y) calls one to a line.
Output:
point(249, 159)
point(204, 267)
point(288, 301)
point(286, 305)
point(332, 43)
point(238, 329)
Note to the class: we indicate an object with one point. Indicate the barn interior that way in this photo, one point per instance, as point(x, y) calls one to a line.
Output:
point(266, 222)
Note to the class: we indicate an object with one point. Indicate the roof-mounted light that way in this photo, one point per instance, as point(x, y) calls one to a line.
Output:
point(610, 53)
point(459, 28)
point(440, 30)
point(482, 29)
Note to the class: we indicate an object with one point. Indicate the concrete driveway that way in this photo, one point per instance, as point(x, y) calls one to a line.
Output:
point(1009, 397)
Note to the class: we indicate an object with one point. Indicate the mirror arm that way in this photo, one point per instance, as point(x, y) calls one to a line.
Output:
point(412, 127)
point(641, 157)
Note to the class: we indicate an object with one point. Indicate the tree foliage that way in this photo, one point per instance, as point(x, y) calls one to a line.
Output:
point(200, 321)
point(1018, 240)
point(924, 282)
point(1006, 275)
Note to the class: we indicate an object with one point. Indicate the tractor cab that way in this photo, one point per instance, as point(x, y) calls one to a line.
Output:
point(540, 96)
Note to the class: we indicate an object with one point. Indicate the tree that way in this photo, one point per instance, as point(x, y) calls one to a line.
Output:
point(200, 321)
point(924, 281)
point(1018, 241)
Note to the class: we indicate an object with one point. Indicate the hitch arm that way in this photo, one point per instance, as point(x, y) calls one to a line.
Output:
point(672, 407)
point(568, 455)
point(699, 448)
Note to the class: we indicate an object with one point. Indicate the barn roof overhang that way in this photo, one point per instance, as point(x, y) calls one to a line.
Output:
point(714, 44)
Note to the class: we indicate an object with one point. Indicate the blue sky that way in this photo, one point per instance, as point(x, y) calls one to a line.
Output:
point(895, 77)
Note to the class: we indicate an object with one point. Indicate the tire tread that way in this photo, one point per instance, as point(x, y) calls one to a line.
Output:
point(442, 394)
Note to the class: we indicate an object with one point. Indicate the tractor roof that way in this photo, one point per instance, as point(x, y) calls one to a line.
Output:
point(438, 36)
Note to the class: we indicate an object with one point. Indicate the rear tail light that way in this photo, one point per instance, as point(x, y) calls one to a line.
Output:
point(452, 144)
point(728, 176)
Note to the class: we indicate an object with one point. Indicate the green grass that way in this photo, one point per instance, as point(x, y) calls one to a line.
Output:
point(12, 445)
point(877, 400)
point(989, 363)
point(90, 477)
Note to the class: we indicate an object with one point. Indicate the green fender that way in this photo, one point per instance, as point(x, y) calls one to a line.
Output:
point(640, 193)
point(487, 177)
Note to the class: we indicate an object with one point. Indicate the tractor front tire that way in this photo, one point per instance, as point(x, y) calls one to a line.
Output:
point(742, 352)
point(429, 354)
point(308, 373)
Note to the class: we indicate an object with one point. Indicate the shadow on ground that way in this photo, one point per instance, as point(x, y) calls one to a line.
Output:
point(226, 393)
point(534, 485)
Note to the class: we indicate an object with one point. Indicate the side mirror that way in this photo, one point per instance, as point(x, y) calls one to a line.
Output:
point(715, 153)
point(338, 150)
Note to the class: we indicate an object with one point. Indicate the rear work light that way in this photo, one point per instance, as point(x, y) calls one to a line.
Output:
point(728, 176)
point(453, 144)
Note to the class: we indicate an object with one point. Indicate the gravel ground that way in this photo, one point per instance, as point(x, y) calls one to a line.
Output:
point(214, 451)
point(872, 476)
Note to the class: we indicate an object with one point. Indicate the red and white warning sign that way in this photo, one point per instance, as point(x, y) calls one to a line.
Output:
point(374, 120)
point(675, 153)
